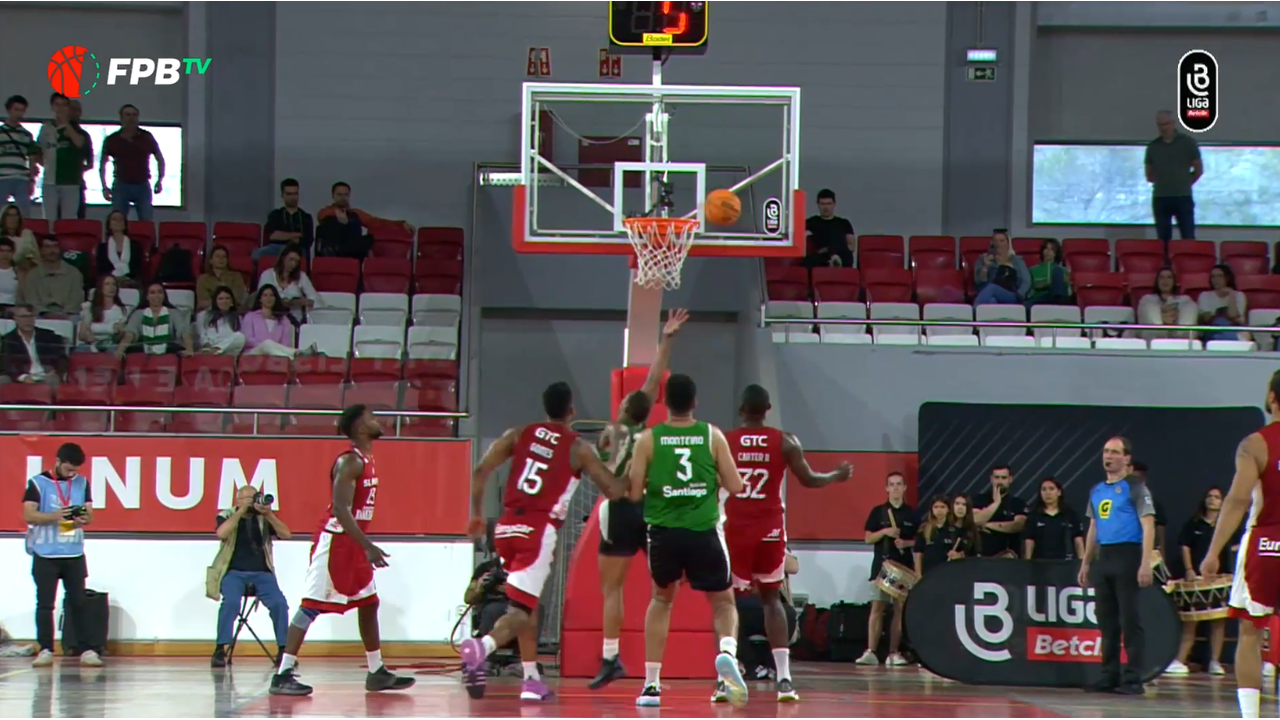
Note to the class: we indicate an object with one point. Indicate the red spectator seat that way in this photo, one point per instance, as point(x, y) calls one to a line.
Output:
point(151, 371)
point(263, 370)
point(320, 370)
point(874, 259)
point(192, 235)
point(1233, 248)
point(836, 292)
point(209, 371)
point(197, 267)
point(238, 231)
point(435, 253)
point(1247, 264)
point(93, 369)
point(317, 397)
point(83, 421)
point(257, 397)
point(1192, 247)
point(391, 240)
point(779, 262)
point(242, 262)
point(78, 228)
point(418, 370)
point(332, 274)
point(379, 370)
point(1139, 247)
point(1270, 283)
point(387, 275)
point(15, 393)
point(1141, 263)
point(438, 286)
point(200, 423)
point(978, 244)
point(377, 395)
point(439, 268)
point(441, 236)
point(1263, 300)
point(891, 246)
point(935, 243)
point(144, 396)
point(429, 395)
point(1089, 262)
point(38, 226)
point(1071, 246)
point(1029, 248)
point(933, 260)
point(787, 273)
point(1137, 281)
point(1193, 263)
point(787, 291)
point(887, 284)
point(427, 427)
point(1193, 283)
point(940, 286)
point(144, 231)
point(1090, 296)
point(1100, 280)
point(835, 275)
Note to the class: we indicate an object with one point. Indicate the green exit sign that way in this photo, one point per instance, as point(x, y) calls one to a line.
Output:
point(981, 74)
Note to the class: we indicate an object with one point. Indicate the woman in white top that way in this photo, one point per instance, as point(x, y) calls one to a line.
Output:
point(296, 290)
point(103, 318)
point(219, 326)
point(26, 254)
point(1223, 305)
point(1165, 305)
point(8, 274)
point(117, 254)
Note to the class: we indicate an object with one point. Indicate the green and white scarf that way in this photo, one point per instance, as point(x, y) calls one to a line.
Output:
point(156, 332)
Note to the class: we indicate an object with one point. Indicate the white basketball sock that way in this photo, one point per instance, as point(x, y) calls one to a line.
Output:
point(530, 671)
point(610, 648)
point(374, 658)
point(651, 672)
point(782, 662)
point(287, 662)
point(1250, 700)
point(729, 645)
point(489, 645)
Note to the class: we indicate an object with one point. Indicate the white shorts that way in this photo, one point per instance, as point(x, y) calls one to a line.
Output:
point(527, 550)
point(339, 577)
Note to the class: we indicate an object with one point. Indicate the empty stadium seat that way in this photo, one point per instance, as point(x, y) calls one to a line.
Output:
point(433, 343)
point(320, 370)
point(1107, 314)
point(1009, 341)
point(896, 339)
point(894, 311)
point(787, 291)
point(842, 333)
point(1120, 344)
point(131, 297)
point(208, 371)
point(1140, 263)
point(332, 340)
point(1065, 342)
point(1028, 248)
point(1176, 344)
point(392, 241)
point(190, 235)
point(1261, 291)
point(418, 369)
point(1247, 264)
point(81, 235)
point(92, 369)
point(191, 396)
point(788, 309)
point(38, 226)
point(371, 370)
point(1099, 288)
point(888, 285)
point(1139, 246)
point(16, 393)
point(933, 260)
point(257, 397)
point(439, 268)
point(333, 308)
point(1090, 246)
point(935, 340)
point(427, 427)
point(881, 251)
point(831, 276)
point(438, 286)
point(157, 396)
point(389, 309)
point(960, 312)
point(313, 397)
point(431, 395)
point(836, 292)
point(151, 371)
point(263, 370)
point(1089, 262)
point(237, 237)
point(1202, 248)
point(85, 395)
point(182, 299)
point(388, 275)
point(939, 286)
point(1184, 264)
point(378, 341)
point(144, 231)
point(332, 274)
point(1000, 313)
point(437, 310)
point(933, 245)
point(432, 253)
point(1193, 283)
point(377, 395)
point(1055, 314)
point(428, 236)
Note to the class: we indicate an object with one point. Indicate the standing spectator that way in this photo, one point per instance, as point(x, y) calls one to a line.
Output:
point(1166, 305)
point(267, 330)
point(938, 541)
point(118, 255)
point(288, 224)
point(219, 326)
point(1193, 542)
point(54, 287)
point(218, 273)
point(130, 149)
point(57, 506)
point(158, 327)
point(246, 560)
point(1000, 515)
point(86, 151)
point(1053, 530)
point(344, 231)
point(26, 252)
point(1173, 165)
point(8, 276)
point(829, 237)
point(891, 531)
point(102, 320)
point(295, 288)
point(17, 147)
point(1050, 279)
point(1001, 276)
point(1222, 305)
point(61, 147)
point(31, 354)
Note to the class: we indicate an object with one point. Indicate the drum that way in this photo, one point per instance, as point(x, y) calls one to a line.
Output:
point(896, 580)
point(1159, 570)
point(1203, 598)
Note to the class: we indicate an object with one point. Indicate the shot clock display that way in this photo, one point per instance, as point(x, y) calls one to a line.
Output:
point(645, 26)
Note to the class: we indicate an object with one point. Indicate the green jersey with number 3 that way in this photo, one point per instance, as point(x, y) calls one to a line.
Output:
point(682, 489)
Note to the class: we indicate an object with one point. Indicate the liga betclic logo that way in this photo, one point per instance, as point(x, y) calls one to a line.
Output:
point(75, 72)
point(1198, 90)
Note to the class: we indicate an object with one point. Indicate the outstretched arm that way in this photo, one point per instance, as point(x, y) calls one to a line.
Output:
point(1251, 456)
point(346, 473)
point(639, 473)
point(675, 318)
point(726, 468)
point(498, 453)
point(586, 461)
point(799, 466)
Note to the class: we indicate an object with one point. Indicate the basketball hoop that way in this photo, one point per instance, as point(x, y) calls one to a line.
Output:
point(661, 246)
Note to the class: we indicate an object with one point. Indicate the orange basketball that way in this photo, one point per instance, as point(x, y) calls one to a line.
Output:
point(722, 208)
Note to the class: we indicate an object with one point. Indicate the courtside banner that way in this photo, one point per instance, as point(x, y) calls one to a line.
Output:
point(1022, 622)
point(178, 484)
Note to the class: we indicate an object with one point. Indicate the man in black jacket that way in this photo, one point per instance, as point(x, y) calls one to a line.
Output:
point(30, 354)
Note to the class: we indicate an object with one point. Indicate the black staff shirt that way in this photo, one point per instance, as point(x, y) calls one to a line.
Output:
point(1054, 535)
point(1011, 508)
point(1196, 536)
point(933, 552)
point(904, 518)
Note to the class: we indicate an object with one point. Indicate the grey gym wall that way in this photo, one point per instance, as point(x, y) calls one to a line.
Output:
point(978, 119)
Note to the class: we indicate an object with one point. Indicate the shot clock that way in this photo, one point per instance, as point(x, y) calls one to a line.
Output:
point(641, 27)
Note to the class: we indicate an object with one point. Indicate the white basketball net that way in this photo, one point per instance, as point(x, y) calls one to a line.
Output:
point(661, 245)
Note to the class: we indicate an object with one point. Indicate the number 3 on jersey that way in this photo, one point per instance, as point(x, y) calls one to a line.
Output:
point(753, 482)
point(531, 479)
point(685, 473)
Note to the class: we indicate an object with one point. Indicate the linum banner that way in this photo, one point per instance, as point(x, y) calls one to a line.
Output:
point(178, 484)
point(1019, 622)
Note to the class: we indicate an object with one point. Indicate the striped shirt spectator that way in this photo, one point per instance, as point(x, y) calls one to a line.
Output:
point(17, 145)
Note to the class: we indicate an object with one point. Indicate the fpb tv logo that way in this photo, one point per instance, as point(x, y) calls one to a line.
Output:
point(1198, 90)
point(76, 72)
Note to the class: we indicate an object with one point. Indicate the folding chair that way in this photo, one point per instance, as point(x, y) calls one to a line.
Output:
point(248, 604)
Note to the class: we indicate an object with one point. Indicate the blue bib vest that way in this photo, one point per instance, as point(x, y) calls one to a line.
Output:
point(53, 540)
point(1115, 513)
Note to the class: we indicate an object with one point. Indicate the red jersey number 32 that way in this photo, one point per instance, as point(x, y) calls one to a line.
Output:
point(753, 482)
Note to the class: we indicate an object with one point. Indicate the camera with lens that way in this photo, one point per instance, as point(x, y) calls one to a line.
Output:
point(74, 512)
point(489, 590)
point(265, 500)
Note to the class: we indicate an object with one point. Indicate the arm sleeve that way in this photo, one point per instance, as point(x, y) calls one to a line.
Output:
point(88, 493)
point(848, 227)
point(1186, 536)
point(32, 494)
point(1140, 496)
point(218, 520)
point(875, 520)
point(272, 224)
point(921, 545)
point(1015, 507)
point(1088, 505)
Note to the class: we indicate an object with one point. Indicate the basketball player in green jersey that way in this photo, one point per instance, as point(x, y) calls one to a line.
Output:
point(684, 470)
point(622, 528)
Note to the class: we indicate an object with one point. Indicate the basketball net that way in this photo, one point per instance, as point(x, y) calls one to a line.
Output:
point(661, 246)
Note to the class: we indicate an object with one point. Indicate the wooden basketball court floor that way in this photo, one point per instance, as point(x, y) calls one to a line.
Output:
point(188, 687)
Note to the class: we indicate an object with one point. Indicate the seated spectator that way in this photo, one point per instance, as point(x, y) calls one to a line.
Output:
point(1001, 276)
point(294, 287)
point(26, 251)
point(219, 326)
point(970, 538)
point(938, 541)
point(1050, 278)
point(157, 327)
point(1223, 305)
point(287, 225)
point(31, 354)
point(218, 274)
point(267, 330)
point(1166, 305)
point(119, 255)
point(1053, 530)
point(102, 319)
point(8, 276)
point(53, 287)
point(754, 652)
point(829, 237)
point(345, 231)
point(245, 559)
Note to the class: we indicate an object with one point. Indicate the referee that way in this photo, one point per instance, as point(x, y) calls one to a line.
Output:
point(1124, 526)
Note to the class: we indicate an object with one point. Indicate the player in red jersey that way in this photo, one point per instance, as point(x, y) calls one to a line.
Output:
point(340, 576)
point(755, 530)
point(1255, 591)
point(547, 462)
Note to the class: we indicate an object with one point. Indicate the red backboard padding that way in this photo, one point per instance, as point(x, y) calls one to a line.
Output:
point(624, 381)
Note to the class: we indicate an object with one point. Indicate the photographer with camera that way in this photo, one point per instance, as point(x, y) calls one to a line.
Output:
point(56, 507)
point(487, 595)
point(245, 560)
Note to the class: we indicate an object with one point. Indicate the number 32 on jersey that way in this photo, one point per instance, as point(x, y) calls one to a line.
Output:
point(753, 482)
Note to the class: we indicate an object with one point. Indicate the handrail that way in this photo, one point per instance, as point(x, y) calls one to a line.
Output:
point(897, 322)
point(54, 407)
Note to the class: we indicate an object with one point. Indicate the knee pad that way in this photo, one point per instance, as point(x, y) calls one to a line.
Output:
point(304, 617)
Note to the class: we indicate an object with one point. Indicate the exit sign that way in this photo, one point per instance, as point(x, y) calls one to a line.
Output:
point(981, 74)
